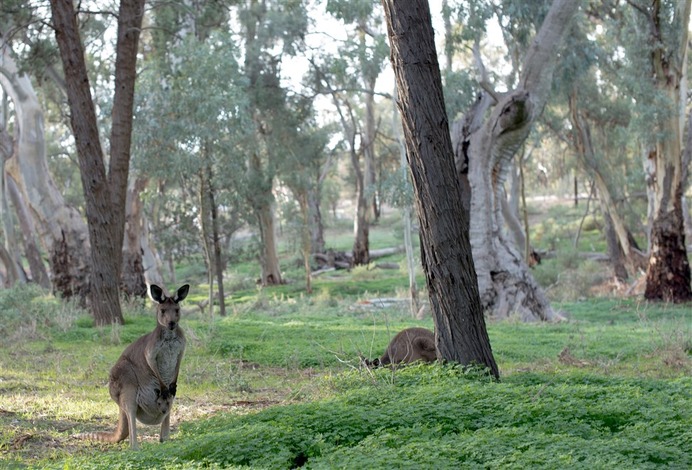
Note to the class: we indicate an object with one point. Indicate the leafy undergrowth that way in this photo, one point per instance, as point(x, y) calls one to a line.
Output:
point(440, 417)
point(277, 384)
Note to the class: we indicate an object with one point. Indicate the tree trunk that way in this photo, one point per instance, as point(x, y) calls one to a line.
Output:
point(216, 242)
point(306, 250)
point(414, 303)
point(271, 273)
point(60, 228)
point(132, 279)
point(668, 273)
point(369, 183)
point(14, 271)
point(316, 226)
point(361, 226)
point(11, 258)
point(205, 224)
point(489, 140)
point(514, 225)
point(262, 79)
point(460, 332)
point(104, 193)
point(633, 258)
point(11, 269)
point(151, 263)
point(615, 253)
point(262, 202)
point(39, 274)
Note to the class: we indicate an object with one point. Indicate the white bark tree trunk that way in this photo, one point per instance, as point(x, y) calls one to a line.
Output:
point(39, 273)
point(151, 262)
point(668, 273)
point(61, 229)
point(484, 149)
point(414, 303)
point(10, 256)
point(132, 278)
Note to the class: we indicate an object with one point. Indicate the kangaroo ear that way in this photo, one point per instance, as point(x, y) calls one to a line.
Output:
point(156, 293)
point(181, 293)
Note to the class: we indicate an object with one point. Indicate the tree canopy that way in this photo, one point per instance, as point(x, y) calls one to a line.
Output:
point(254, 118)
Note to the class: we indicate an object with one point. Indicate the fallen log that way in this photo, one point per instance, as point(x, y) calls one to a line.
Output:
point(387, 265)
point(344, 259)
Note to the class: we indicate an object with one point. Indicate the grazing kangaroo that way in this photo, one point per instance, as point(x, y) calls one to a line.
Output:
point(409, 345)
point(143, 381)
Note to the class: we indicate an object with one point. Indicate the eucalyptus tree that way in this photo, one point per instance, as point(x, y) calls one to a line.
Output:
point(104, 189)
point(349, 76)
point(594, 130)
point(193, 111)
point(658, 43)
point(8, 255)
point(592, 113)
point(460, 332)
point(306, 164)
point(486, 140)
point(58, 226)
point(270, 31)
point(40, 57)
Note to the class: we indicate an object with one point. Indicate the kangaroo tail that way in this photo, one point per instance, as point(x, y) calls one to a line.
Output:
point(119, 434)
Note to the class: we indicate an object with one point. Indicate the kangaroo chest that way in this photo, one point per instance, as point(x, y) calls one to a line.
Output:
point(166, 353)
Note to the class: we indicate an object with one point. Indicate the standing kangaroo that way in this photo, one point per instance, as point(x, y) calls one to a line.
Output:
point(409, 345)
point(143, 381)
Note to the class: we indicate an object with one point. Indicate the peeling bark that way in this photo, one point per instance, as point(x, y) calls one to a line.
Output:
point(486, 141)
point(60, 228)
point(668, 274)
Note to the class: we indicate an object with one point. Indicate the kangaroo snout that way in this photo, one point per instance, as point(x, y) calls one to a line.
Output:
point(172, 325)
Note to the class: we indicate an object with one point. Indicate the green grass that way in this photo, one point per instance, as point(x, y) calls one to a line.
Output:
point(277, 384)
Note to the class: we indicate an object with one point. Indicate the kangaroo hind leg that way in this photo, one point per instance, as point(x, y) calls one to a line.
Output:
point(127, 424)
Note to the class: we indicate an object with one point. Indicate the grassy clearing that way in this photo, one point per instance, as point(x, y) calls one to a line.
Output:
point(277, 384)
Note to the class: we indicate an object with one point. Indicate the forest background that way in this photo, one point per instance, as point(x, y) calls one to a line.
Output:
point(230, 145)
point(244, 173)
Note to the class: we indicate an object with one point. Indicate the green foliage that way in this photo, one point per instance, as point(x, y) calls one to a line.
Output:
point(29, 312)
point(397, 190)
point(439, 417)
point(608, 388)
point(566, 273)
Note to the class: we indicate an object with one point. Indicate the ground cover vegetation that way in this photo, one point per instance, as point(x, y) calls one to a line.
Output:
point(258, 155)
point(277, 383)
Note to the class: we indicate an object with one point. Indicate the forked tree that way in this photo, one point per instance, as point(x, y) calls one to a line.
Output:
point(104, 190)
point(487, 139)
point(460, 331)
